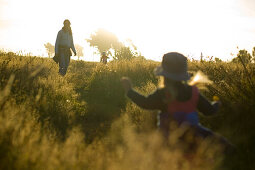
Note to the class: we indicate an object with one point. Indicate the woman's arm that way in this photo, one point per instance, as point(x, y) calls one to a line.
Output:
point(72, 45)
point(57, 43)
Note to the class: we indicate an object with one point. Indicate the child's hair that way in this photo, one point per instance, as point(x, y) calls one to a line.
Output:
point(172, 88)
point(177, 89)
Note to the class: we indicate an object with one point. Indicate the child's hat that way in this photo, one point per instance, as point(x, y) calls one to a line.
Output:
point(173, 66)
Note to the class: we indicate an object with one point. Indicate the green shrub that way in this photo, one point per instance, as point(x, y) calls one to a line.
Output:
point(84, 120)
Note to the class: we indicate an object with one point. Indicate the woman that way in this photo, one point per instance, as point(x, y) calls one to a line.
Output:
point(64, 43)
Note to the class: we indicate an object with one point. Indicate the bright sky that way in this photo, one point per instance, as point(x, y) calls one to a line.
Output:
point(213, 27)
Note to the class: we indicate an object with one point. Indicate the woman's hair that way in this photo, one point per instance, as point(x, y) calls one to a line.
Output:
point(69, 29)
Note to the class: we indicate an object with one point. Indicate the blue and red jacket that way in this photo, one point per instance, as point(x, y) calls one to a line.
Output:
point(185, 111)
point(182, 110)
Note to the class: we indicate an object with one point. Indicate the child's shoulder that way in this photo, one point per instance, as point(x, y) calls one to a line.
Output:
point(194, 89)
point(160, 91)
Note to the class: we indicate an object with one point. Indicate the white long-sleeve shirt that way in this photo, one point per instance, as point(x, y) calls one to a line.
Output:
point(64, 39)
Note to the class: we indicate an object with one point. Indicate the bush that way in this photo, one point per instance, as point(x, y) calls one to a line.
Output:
point(84, 121)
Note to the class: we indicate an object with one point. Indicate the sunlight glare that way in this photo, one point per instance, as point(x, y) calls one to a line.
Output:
point(155, 27)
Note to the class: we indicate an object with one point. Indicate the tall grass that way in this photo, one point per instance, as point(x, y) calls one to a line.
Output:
point(84, 120)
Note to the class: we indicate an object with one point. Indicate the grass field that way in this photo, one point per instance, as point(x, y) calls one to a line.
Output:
point(84, 120)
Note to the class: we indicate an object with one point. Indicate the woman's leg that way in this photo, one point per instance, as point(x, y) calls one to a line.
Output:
point(67, 61)
point(62, 62)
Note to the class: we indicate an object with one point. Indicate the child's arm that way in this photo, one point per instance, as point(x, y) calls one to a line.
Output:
point(153, 101)
point(206, 107)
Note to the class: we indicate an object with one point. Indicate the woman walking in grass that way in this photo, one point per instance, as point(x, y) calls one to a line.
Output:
point(64, 43)
point(178, 101)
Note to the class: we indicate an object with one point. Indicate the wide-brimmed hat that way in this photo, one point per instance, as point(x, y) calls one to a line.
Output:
point(173, 66)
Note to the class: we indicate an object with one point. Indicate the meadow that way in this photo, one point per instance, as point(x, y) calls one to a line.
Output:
point(84, 120)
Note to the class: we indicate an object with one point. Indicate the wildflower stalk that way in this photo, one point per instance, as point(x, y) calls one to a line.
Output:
point(246, 70)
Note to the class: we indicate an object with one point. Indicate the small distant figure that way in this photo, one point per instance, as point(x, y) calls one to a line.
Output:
point(201, 57)
point(178, 101)
point(64, 43)
point(104, 58)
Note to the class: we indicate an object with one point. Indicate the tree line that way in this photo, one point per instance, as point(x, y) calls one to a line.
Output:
point(245, 57)
point(104, 41)
point(51, 50)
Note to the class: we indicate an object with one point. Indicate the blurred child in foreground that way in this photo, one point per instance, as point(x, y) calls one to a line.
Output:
point(178, 101)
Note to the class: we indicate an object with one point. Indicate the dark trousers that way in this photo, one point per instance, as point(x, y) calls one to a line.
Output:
point(198, 131)
point(64, 61)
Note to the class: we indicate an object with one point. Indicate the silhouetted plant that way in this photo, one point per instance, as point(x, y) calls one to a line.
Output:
point(50, 49)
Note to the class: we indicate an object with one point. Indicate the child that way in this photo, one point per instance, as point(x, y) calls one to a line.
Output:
point(104, 58)
point(177, 101)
